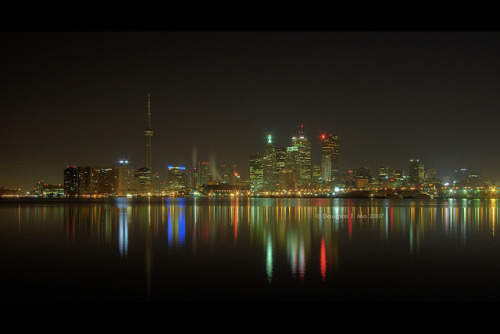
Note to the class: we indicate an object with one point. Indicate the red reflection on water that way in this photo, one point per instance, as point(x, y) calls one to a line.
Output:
point(323, 259)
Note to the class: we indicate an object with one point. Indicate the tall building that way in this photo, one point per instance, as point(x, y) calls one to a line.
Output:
point(316, 173)
point(270, 173)
point(431, 176)
point(330, 165)
point(304, 147)
point(142, 180)
point(125, 178)
point(292, 163)
point(88, 180)
point(228, 174)
point(107, 183)
point(176, 178)
point(416, 172)
point(71, 181)
point(256, 172)
point(204, 175)
point(149, 134)
point(280, 158)
point(383, 173)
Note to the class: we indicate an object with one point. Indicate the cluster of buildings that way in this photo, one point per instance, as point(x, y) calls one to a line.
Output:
point(290, 168)
point(277, 171)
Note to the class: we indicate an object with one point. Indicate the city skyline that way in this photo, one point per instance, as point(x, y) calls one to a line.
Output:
point(79, 98)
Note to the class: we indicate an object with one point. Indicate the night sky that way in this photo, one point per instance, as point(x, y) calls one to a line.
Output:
point(80, 98)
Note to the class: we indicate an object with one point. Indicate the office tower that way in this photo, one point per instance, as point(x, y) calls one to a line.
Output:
point(431, 176)
point(287, 180)
point(383, 173)
point(228, 174)
point(176, 178)
point(88, 179)
point(292, 163)
point(280, 158)
point(304, 147)
point(397, 175)
point(107, 180)
point(416, 172)
point(461, 174)
point(326, 168)
point(348, 178)
point(270, 175)
point(71, 181)
point(125, 178)
point(204, 175)
point(149, 134)
point(330, 165)
point(316, 173)
point(142, 181)
point(362, 177)
point(256, 172)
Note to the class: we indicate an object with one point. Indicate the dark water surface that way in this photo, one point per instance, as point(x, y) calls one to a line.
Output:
point(332, 250)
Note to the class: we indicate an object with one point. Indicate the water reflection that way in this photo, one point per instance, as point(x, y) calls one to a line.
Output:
point(295, 238)
point(294, 223)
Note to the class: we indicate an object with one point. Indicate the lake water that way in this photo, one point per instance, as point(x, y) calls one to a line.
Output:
point(267, 249)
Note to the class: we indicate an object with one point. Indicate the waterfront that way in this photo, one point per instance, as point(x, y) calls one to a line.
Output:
point(267, 249)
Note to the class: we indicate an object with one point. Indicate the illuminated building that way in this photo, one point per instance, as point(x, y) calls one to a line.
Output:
point(316, 174)
point(142, 181)
point(362, 177)
point(49, 190)
point(270, 173)
point(149, 134)
point(204, 175)
point(228, 174)
point(225, 190)
point(10, 192)
point(71, 181)
point(431, 176)
point(383, 173)
point(280, 158)
point(287, 180)
point(176, 178)
point(416, 172)
point(292, 163)
point(304, 149)
point(88, 179)
point(330, 165)
point(125, 178)
point(107, 180)
point(348, 179)
point(256, 172)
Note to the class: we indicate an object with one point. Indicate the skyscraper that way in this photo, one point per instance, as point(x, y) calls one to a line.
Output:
point(176, 178)
point(256, 172)
point(71, 181)
point(270, 173)
point(280, 158)
point(88, 180)
point(228, 174)
point(416, 172)
point(204, 174)
point(292, 163)
point(149, 134)
point(330, 158)
point(107, 180)
point(304, 147)
point(125, 178)
point(142, 180)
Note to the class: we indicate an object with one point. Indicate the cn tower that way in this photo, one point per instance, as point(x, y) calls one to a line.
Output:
point(149, 134)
